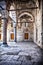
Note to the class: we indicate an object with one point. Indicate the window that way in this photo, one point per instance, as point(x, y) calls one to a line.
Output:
point(0, 36)
point(27, 24)
point(11, 24)
point(19, 25)
point(0, 25)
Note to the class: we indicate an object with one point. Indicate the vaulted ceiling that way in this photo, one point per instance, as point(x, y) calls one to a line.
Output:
point(18, 1)
point(9, 2)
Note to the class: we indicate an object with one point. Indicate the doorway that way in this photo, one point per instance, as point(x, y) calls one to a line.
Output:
point(26, 36)
point(0, 36)
point(12, 36)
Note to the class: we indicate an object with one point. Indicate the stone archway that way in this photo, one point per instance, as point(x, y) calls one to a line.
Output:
point(26, 19)
point(12, 20)
point(28, 14)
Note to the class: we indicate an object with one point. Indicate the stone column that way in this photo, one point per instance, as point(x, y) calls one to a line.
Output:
point(5, 17)
point(5, 31)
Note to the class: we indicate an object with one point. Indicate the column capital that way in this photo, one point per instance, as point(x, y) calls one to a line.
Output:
point(4, 14)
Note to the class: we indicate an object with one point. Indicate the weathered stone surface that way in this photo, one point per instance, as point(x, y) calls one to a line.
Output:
point(26, 53)
point(10, 63)
point(16, 57)
point(23, 54)
point(28, 57)
point(13, 52)
point(22, 58)
point(26, 63)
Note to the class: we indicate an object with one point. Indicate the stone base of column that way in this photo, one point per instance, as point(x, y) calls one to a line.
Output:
point(4, 45)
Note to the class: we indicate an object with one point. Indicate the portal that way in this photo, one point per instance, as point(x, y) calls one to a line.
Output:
point(26, 36)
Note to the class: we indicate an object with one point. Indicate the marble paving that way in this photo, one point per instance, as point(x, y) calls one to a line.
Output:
point(22, 53)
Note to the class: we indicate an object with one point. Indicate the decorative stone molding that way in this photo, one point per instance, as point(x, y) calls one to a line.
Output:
point(28, 14)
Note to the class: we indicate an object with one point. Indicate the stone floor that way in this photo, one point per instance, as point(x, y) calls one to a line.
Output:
point(21, 53)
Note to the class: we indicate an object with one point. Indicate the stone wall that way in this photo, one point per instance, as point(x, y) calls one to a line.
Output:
point(20, 35)
point(38, 26)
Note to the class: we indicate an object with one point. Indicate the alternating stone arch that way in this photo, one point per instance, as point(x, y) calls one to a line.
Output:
point(28, 14)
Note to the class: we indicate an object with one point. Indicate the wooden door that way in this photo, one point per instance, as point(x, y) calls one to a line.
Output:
point(26, 36)
point(12, 36)
point(0, 36)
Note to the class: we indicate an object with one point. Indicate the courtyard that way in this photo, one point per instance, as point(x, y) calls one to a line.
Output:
point(21, 53)
point(21, 32)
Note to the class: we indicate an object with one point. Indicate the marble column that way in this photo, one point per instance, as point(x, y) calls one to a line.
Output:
point(5, 31)
point(5, 19)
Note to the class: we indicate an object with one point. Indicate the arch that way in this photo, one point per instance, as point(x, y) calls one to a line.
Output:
point(26, 13)
point(12, 6)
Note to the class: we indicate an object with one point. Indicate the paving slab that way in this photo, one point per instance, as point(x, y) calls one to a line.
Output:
point(26, 63)
point(3, 57)
point(15, 57)
point(10, 63)
point(22, 58)
point(23, 54)
point(9, 58)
